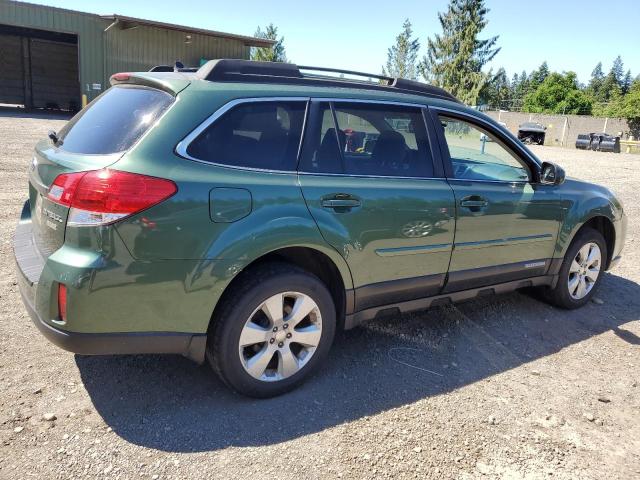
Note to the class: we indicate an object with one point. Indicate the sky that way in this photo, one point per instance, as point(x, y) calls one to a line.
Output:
point(355, 34)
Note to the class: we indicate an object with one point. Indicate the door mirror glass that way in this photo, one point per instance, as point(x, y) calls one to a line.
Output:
point(551, 174)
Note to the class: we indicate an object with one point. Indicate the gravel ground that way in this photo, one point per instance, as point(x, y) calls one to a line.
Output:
point(503, 387)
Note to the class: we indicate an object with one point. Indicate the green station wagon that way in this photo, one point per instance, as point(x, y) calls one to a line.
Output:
point(244, 212)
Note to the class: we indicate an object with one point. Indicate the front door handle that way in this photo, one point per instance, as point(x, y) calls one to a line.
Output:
point(340, 201)
point(474, 202)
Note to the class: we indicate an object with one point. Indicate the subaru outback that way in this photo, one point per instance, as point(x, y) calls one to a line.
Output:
point(241, 214)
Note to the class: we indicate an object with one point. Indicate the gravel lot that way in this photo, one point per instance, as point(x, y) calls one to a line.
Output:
point(502, 387)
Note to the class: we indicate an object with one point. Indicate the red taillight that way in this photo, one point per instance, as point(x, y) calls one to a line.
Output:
point(62, 302)
point(63, 186)
point(121, 77)
point(103, 196)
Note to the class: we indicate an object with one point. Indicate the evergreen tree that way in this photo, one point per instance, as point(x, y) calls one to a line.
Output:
point(610, 88)
point(539, 76)
point(498, 91)
point(626, 83)
point(618, 70)
point(597, 73)
point(455, 57)
point(402, 56)
point(276, 53)
point(519, 89)
point(595, 84)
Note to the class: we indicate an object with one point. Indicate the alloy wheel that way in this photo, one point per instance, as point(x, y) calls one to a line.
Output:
point(584, 270)
point(280, 336)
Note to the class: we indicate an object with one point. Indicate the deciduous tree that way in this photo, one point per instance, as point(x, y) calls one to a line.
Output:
point(559, 93)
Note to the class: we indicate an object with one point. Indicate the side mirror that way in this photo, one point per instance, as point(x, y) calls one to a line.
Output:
point(551, 174)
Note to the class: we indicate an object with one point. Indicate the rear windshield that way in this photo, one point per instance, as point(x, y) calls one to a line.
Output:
point(114, 120)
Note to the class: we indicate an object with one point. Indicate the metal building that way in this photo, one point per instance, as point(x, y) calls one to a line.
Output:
point(56, 58)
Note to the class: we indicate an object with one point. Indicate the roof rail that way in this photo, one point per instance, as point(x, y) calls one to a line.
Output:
point(231, 70)
point(178, 67)
point(369, 76)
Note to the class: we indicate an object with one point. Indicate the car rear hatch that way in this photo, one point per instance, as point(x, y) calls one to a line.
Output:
point(94, 139)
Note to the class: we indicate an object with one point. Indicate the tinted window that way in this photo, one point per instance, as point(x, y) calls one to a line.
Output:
point(321, 150)
point(114, 120)
point(478, 155)
point(257, 135)
point(369, 139)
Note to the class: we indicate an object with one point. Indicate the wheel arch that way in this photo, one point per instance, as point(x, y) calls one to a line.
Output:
point(602, 223)
point(328, 266)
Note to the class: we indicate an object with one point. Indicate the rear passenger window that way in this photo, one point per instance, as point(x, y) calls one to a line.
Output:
point(369, 139)
point(255, 135)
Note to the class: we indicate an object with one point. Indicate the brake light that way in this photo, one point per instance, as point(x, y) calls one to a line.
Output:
point(121, 77)
point(62, 302)
point(100, 197)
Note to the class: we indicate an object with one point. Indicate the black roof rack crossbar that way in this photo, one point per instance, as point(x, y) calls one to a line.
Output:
point(232, 70)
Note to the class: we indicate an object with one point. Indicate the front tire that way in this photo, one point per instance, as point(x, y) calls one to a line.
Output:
point(581, 270)
point(273, 329)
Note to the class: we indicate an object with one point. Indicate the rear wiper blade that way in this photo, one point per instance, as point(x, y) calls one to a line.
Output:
point(53, 136)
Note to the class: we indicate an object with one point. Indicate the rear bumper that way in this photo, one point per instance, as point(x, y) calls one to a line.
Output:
point(186, 344)
point(29, 268)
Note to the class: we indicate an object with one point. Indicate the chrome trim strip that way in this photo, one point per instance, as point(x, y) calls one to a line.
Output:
point(503, 241)
point(502, 182)
point(393, 252)
point(183, 145)
point(364, 100)
point(351, 175)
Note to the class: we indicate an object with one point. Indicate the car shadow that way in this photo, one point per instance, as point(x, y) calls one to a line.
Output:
point(19, 112)
point(171, 404)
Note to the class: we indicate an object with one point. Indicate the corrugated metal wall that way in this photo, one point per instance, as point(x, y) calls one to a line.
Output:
point(142, 47)
point(103, 53)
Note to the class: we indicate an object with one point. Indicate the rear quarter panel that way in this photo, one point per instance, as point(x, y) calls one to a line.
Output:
point(180, 230)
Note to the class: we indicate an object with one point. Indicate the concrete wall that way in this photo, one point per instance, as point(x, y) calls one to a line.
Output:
point(562, 130)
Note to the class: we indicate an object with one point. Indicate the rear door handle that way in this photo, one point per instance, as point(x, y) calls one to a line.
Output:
point(474, 201)
point(340, 201)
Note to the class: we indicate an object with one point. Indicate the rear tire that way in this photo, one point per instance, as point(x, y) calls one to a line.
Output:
point(581, 271)
point(272, 330)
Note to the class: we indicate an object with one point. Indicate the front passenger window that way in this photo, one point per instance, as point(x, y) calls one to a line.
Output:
point(478, 155)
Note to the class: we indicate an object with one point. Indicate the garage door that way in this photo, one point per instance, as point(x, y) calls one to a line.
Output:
point(54, 74)
point(39, 68)
point(11, 70)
